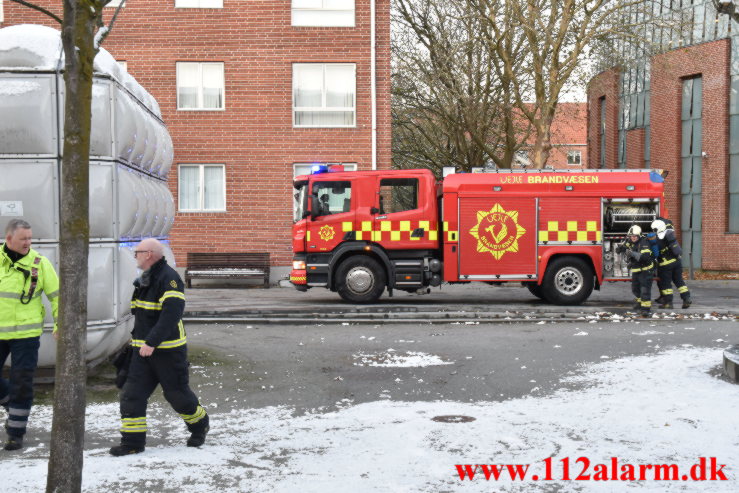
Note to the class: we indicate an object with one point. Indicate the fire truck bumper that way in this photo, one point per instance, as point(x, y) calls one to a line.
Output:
point(299, 278)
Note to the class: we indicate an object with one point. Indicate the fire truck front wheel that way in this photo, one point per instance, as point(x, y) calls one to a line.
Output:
point(568, 281)
point(360, 279)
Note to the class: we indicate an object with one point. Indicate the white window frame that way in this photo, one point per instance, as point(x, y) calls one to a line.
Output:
point(123, 64)
point(2, 15)
point(201, 187)
point(574, 152)
point(191, 4)
point(115, 3)
point(323, 9)
point(200, 88)
point(323, 107)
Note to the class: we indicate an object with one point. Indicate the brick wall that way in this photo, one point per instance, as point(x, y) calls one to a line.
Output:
point(254, 136)
point(603, 89)
point(711, 62)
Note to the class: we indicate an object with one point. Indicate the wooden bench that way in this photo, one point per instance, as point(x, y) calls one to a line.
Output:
point(235, 265)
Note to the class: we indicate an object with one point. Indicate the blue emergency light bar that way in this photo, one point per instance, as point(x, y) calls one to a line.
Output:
point(326, 168)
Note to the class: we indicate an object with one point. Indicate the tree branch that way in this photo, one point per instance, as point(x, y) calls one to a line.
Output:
point(105, 30)
point(40, 9)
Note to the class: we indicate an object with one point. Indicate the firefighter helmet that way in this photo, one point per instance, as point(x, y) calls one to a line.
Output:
point(635, 230)
point(659, 227)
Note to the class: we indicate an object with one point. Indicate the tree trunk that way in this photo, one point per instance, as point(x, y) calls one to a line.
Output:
point(68, 426)
point(543, 141)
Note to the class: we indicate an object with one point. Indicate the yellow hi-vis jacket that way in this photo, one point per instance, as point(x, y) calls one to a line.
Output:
point(22, 319)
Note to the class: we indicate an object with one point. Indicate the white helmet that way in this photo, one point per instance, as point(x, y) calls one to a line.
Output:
point(635, 230)
point(659, 227)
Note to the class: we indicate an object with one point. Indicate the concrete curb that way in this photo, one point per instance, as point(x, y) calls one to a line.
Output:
point(390, 317)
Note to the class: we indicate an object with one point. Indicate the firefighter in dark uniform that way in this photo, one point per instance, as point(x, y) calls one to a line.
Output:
point(669, 266)
point(159, 353)
point(641, 262)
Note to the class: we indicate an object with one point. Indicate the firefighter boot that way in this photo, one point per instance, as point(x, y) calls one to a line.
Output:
point(666, 305)
point(687, 302)
point(14, 443)
point(198, 432)
point(644, 314)
point(121, 450)
point(637, 305)
point(661, 300)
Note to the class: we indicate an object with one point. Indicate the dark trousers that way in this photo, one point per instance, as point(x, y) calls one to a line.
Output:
point(672, 274)
point(165, 367)
point(641, 286)
point(16, 393)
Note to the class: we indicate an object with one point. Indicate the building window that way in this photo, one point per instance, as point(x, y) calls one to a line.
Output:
point(202, 188)
point(198, 4)
point(323, 13)
point(574, 158)
point(115, 3)
point(123, 64)
point(324, 94)
point(200, 86)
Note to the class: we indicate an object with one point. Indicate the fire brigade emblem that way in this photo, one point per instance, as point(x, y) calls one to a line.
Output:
point(497, 231)
point(326, 233)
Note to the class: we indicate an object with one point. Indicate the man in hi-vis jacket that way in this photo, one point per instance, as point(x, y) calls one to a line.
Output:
point(159, 353)
point(24, 275)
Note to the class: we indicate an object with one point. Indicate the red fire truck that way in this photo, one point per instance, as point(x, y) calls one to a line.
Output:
point(361, 232)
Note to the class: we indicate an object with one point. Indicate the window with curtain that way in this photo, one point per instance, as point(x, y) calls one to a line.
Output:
point(323, 13)
point(574, 158)
point(198, 4)
point(202, 187)
point(324, 94)
point(200, 86)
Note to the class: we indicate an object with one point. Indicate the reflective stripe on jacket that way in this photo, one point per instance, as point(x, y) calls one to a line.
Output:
point(158, 309)
point(19, 320)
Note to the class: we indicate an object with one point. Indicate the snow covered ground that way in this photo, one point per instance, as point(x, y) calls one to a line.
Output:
point(663, 408)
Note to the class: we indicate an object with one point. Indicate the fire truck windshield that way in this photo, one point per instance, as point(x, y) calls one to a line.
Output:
point(299, 200)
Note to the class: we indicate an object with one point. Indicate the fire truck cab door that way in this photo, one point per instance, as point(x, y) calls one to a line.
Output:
point(326, 229)
point(405, 213)
point(497, 238)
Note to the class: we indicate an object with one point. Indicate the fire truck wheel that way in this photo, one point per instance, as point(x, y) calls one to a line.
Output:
point(536, 290)
point(568, 281)
point(360, 279)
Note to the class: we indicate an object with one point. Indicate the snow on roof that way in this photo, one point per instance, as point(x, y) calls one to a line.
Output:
point(27, 46)
point(39, 48)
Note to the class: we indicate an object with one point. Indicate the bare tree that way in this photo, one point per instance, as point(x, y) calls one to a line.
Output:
point(558, 37)
point(83, 30)
point(451, 101)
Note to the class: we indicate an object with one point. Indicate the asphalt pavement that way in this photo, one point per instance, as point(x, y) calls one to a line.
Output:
point(457, 302)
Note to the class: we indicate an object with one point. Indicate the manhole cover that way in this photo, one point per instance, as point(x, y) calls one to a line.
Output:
point(453, 419)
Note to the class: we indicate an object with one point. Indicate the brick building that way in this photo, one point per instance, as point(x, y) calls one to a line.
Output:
point(253, 92)
point(569, 139)
point(678, 111)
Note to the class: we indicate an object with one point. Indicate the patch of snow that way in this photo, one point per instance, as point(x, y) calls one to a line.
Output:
point(581, 333)
point(654, 409)
point(410, 359)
